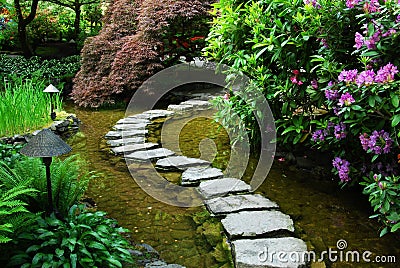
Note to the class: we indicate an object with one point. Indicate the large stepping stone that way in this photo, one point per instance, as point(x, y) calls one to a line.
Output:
point(236, 203)
point(222, 187)
point(152, 114)
point(246, 224)
point(130, 126)
point(180, 107)
point(180, 163)
point(194, 175)
point(284, 252)
point(120, 142)
point(197, 104)
point(126, 134)
point(150, 155)
point(129, 120)
point(130, 148)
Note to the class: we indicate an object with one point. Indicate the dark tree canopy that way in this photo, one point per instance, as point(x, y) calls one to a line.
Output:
point(137, 40)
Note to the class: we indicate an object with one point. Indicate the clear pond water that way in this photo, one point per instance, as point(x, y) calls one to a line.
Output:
point(322, 212)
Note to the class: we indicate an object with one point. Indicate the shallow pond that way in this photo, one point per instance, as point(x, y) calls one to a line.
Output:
point(323, 214)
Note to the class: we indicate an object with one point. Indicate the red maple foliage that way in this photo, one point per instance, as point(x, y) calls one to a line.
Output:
point(138, 39)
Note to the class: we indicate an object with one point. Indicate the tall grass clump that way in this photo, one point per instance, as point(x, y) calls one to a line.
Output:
point(24, 107)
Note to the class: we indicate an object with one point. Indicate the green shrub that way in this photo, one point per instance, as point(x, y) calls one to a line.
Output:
point(38, 69)
point(84, 239)
point(328, 70)
point(69, 180)
point(9, 153)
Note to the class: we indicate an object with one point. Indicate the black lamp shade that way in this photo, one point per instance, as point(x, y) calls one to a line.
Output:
point(45, 144)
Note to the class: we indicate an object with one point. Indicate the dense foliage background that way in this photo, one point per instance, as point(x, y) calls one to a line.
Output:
point(329, 71)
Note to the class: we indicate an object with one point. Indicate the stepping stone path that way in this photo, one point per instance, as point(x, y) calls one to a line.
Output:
point(258, 232)
point(193, 176)
point(180, 163)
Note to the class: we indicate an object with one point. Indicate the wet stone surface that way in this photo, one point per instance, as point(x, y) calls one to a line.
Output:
point(133, 148)
point(126, 134)
point(236, 203)
point(130, 126)
point(257, 253)
point(193, 176)
point(180, 163)
point(120, 142)
point(150, 155)
point(222, 187)
point(256, 223)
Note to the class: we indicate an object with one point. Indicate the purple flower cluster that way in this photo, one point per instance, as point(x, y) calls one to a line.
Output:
point(378, 143)
point(352, 3)
point(314, 3)
point(386, 73)
point(343, 167)
point(331, 94)
point(338, 132)
point(346, 99)
point(366, 78)
point(371, 42)
point(348, 76)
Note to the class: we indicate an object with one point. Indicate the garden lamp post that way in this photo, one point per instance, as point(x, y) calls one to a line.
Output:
point(51, 90)
point(46, 144)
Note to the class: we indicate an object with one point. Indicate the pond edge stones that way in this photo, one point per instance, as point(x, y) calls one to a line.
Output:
point(254, 224)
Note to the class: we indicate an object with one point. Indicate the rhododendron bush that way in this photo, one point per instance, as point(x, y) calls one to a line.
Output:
point(138, 39)
point(329, 70)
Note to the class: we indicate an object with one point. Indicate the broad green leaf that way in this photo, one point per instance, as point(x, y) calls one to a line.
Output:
point(395, 120)
point(395, 227)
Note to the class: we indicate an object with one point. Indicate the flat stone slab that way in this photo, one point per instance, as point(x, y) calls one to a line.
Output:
point(150, 155)
point(236, 203)
point(198, 103)
point(152, 114)
point(256, 223)
point(284, 252)
point(180, 163)
point(126, 134)
point(222, 187)
point(180, 107)
point(130, 120)
point(137, 126)
point(130, 148)
point(194, 175)
point(120, 142)
point(162, 264)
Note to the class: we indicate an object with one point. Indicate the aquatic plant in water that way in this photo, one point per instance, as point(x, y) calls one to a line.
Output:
point(24, 107)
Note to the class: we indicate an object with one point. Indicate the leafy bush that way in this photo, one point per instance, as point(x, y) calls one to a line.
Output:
point(9, 153)
point(328, 70)
point(69, 180)
point(84, 239)
point(35, 68)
